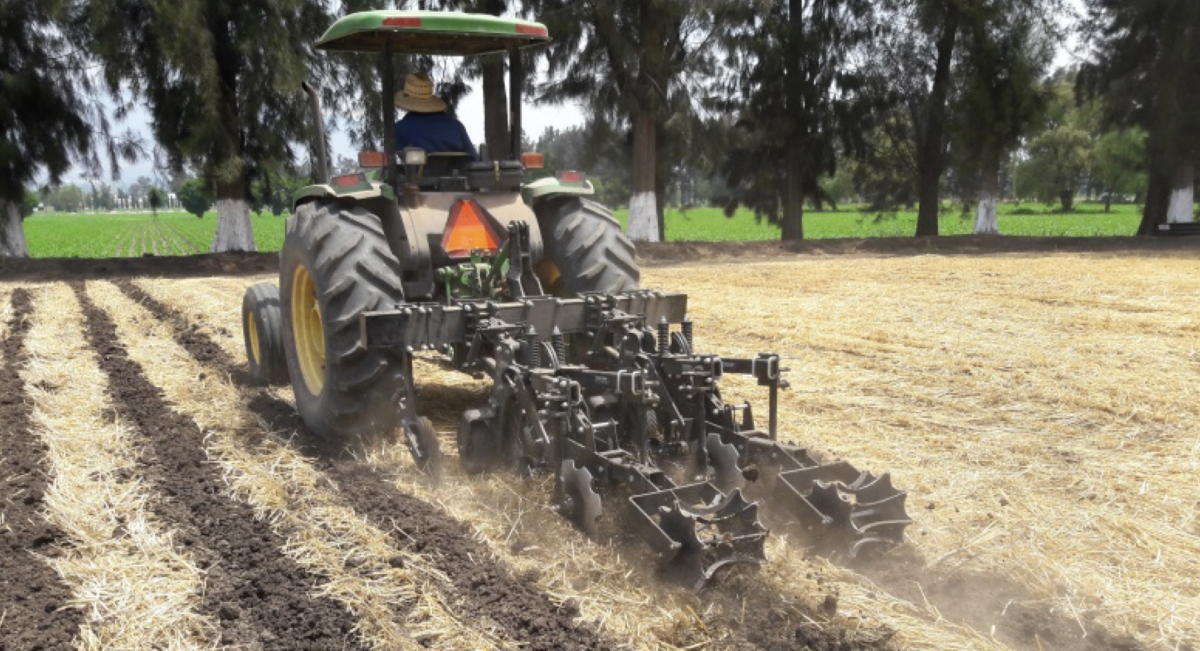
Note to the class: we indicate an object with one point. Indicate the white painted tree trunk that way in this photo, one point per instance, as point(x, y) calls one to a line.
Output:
point(1179, 211)
point(12, 235)
point(643, 217)
point(987, 222)
point(233, 227)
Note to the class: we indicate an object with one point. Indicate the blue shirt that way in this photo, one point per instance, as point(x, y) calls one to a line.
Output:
point(433, 132)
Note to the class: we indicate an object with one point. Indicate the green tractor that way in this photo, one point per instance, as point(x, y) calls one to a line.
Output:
point(536, 287)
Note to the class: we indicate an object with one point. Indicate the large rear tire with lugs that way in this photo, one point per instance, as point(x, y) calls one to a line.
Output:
point(585, 249)
point(335, 265)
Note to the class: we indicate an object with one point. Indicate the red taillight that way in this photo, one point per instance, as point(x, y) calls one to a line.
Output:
point(531, 161)
point(371, 159)
point(571, 177)
point(468, 230)
point(401, 22)
point(532, 30)
point(348, 180)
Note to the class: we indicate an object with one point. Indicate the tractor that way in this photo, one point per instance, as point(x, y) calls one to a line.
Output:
point(535, 286)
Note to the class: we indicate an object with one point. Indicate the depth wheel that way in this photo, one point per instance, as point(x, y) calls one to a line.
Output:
point(335, 265)
point(262, 332)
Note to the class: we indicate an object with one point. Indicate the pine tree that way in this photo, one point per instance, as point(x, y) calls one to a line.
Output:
point(626, 62)
point(222, 81)
point(1146, 69)
point(46, 122)
point(794, 91)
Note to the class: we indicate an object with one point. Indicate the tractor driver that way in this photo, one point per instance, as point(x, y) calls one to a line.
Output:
point(426, 124)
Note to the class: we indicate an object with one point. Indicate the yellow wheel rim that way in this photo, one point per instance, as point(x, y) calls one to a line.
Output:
point(308, 331)
point(252, 330)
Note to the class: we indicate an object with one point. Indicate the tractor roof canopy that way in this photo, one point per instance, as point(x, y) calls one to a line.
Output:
point(431, 32)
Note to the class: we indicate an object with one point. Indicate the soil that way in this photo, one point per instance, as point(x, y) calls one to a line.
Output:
point(262, 599)
point(484, 585)
point(527, 616)
point(649, 255)
point(36, 614)
point(982, 601)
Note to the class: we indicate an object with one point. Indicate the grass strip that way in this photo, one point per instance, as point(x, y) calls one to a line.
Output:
point(35, 608)
point(261, 597)
point(138, 590)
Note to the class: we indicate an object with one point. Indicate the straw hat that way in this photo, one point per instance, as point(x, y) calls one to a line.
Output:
point(418, 95)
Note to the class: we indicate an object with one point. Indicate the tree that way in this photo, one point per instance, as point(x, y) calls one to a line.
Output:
point(30, 203)
point(1000, 98)
point(625, 61)
point(1145, 67)
point(66, 198)
point(46, 123)
point(221, 81)
point(1119, 163)
point(1058, 160)
point(791, 63)
point(195, 197)
point(156, 198)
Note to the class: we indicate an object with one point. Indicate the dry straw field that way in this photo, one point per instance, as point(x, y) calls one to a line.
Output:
point(1040, 408)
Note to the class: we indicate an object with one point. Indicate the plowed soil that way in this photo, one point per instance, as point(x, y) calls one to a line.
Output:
point(33, 600)
point(262, 599)
point(1034, 396)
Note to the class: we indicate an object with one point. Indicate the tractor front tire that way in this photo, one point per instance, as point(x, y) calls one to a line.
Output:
point(335, 265)
point(262, 332)
point(585, 249)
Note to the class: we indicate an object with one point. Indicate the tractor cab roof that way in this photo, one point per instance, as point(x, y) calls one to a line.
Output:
point(431, 32)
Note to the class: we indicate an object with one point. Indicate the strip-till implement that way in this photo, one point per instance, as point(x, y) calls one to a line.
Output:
point(534, 285)
point(606, 391)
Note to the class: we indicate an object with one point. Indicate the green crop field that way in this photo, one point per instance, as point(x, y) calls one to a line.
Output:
point(711, 224)
point(84, 235)
point(131, 235)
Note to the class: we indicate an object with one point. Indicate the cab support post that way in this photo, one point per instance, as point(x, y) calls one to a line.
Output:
point(389, 114)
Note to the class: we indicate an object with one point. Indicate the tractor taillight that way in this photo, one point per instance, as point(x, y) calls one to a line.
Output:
point(401, 22)
point(468, 230)
point(571, 177)
point(532, 30)
point(349, 180)
point(372, 159)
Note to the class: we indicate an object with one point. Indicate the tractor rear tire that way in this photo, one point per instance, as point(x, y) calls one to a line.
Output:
point(335, 265)
point(585, 249)
point(262, 332)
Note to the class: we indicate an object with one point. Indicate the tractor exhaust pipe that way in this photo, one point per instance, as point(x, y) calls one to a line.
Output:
point(314, 100)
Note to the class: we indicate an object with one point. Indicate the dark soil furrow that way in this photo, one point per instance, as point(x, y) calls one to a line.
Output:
point(261, 597)
point(33, 600)
point(484, 585)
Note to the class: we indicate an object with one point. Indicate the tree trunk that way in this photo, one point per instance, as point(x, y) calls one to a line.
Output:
point(495, 109)
point(12, 235)
point(1158, 195)
point(793, 197)
point(987, 221)
point(1067, 197)
point(660, 207)
point(1183, 186)
point(932, 147)
point(643, 203)
point(233, 219)
point(1108, 201)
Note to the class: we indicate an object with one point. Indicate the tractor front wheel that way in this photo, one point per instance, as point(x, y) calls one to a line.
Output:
point(335, 265)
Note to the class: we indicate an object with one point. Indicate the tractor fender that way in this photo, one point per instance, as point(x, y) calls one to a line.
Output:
point(553, 186)
point(369, 190)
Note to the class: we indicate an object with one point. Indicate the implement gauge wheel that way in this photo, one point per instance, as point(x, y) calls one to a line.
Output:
point(262, 331)
point(334, 266)
point(586, 251)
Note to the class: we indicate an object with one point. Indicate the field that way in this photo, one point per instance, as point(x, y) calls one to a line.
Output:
point(1039, 407)
point(133, 235)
